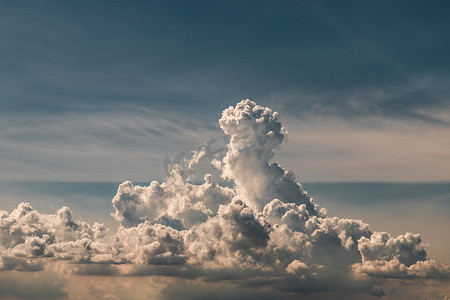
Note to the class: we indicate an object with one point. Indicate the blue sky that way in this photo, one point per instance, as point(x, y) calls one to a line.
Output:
point(77, 56)
point(93, 93)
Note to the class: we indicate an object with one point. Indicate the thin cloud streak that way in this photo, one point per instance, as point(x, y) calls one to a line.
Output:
point(91, 146)
point(384, 150)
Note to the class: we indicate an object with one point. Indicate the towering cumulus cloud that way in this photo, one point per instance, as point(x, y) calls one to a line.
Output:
point(255, 133)
point(262, 233)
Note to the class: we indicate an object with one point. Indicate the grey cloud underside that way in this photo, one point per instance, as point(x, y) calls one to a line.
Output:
point(264, 231)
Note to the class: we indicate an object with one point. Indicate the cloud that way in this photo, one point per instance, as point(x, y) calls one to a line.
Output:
point(25, 285)
point(419, 97)
point(27, 233)
point(264, 232)
point(377, 149)
point(173, 200)
point(150, 244)
point(406, 248)
point(8, 263)
point(394, 268)
point(44, 147)
point(255, 133)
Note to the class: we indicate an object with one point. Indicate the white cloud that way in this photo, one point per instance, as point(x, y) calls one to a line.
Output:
point(27, 233)
point(265, 231)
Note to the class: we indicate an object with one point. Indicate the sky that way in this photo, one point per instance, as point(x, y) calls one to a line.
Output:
point(96, 93)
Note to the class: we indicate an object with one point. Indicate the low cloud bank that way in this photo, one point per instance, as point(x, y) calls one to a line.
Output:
point(263, 232)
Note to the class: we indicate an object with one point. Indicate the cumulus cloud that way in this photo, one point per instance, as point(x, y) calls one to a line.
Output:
point(175, 202)
point(255, 133)
point(262, 232)
point(26, 233)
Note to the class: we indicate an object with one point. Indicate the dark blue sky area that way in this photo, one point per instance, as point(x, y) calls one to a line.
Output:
point(59, 56)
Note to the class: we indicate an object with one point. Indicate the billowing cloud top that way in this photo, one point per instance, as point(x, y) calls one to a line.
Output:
point(263, 230)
